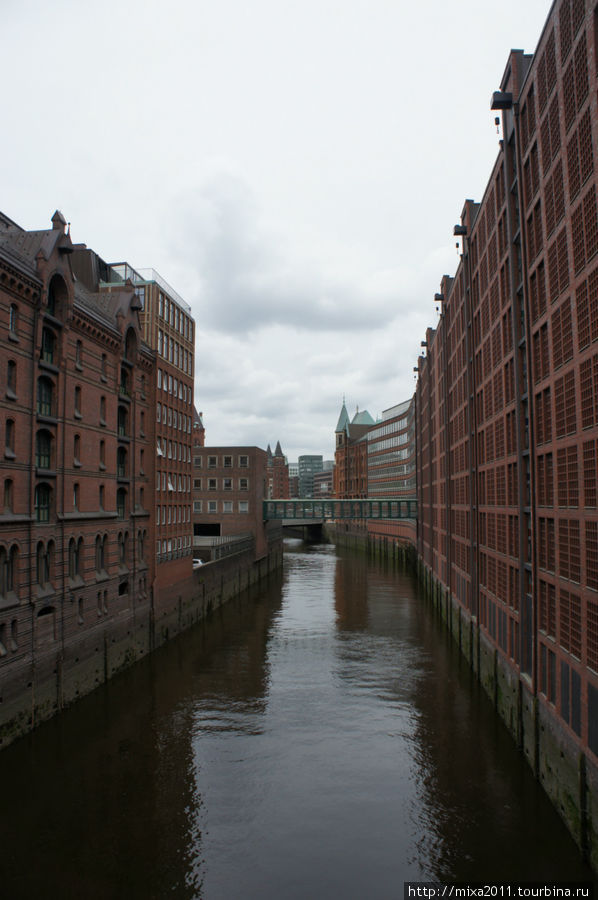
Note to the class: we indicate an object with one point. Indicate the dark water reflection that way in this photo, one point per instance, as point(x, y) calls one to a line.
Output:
point(322, 740)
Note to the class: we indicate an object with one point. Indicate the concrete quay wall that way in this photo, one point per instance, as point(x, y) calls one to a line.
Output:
point(54, 676)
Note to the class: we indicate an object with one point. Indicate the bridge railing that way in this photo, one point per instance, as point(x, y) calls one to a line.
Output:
point(362, 508)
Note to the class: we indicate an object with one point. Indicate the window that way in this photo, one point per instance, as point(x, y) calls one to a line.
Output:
point(158, 412)
point(227, 506)
point(197, 484)
point(11, 379)
point(75, 496)
point(243, 462)
point(100, 553)
point(122, 548)
point(121, 462)
point(8, 570)
point(104, 368)
point(77, 402)
point(212, 484)
point(197, 462)
point(44, 557)
point(211, 462)
point(141, 462)
point(8, 495)
point(102, 454)
point(159, 378)
point(9, 438)
point(79, 355)
point(48, 351)
point(45, 396)
point(197, 506)
point(102, 410)
point(43, 449)
point(102, 496)
point(124, 382)
point(228, 461)
point(75, 557)
point(13, 319)
point(142, 424)
point(212, 506)
point(141, 544)
point(243, 484)
point(228, 484)
point(121, 499)
point(122, 421)
point(243, 506)
point(43, 499)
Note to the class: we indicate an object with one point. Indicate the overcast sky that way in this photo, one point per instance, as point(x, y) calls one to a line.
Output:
point(293, 169)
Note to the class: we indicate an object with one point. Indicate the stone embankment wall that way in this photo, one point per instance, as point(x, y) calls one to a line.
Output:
point(56, 674)
point(567, 774)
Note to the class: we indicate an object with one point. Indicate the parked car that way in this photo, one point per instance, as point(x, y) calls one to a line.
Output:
point(197, 563)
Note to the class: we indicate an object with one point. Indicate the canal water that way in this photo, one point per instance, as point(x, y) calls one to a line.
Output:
point(319, 738)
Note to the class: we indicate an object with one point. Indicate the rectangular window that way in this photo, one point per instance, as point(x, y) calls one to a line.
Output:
point(211, 462)
point(197, 506)
point(243, 462)
point(228, 484)
point(228, 462)
point(212, 506)
point(212, 484)
point(243, 484)
point(243, 506)
point(227, 506)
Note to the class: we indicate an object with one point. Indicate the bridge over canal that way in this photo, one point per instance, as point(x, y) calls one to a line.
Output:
point(315, 512)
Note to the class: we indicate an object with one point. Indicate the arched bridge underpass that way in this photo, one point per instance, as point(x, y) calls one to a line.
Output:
point(316, 512)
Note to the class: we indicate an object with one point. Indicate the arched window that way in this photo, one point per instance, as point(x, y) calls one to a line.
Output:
point(78, 402)
point(57, 296)
point(77, 449)
point(8, 570)
point(102, 454)
point(75, 557)
point(43, 501)
point(122, 421)
point(102, 410)
point(121, 502)
point(131, 345)
point(102, 496)
point(43, 449)
point(123, 542)
point(79, 355)
point(45, 396)
point(44, 557)
point(121, 462)
point(48, 353)
point(100, 553)
point(75, 496)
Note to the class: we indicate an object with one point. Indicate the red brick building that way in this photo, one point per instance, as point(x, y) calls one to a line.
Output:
point(350, 457)
point(277, 473)
point(507, 417)
point(229, 487)
point(76, 468)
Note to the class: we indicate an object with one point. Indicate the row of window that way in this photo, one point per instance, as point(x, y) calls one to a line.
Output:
point(225, 506)
point(168, 416)
point(174, 386)
point(227, 462)
point(174, 316)
point(170, 481)
point(172, 352)
point(169, 449)
point(227, 484)
point(44, 497)
point(172, 515)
